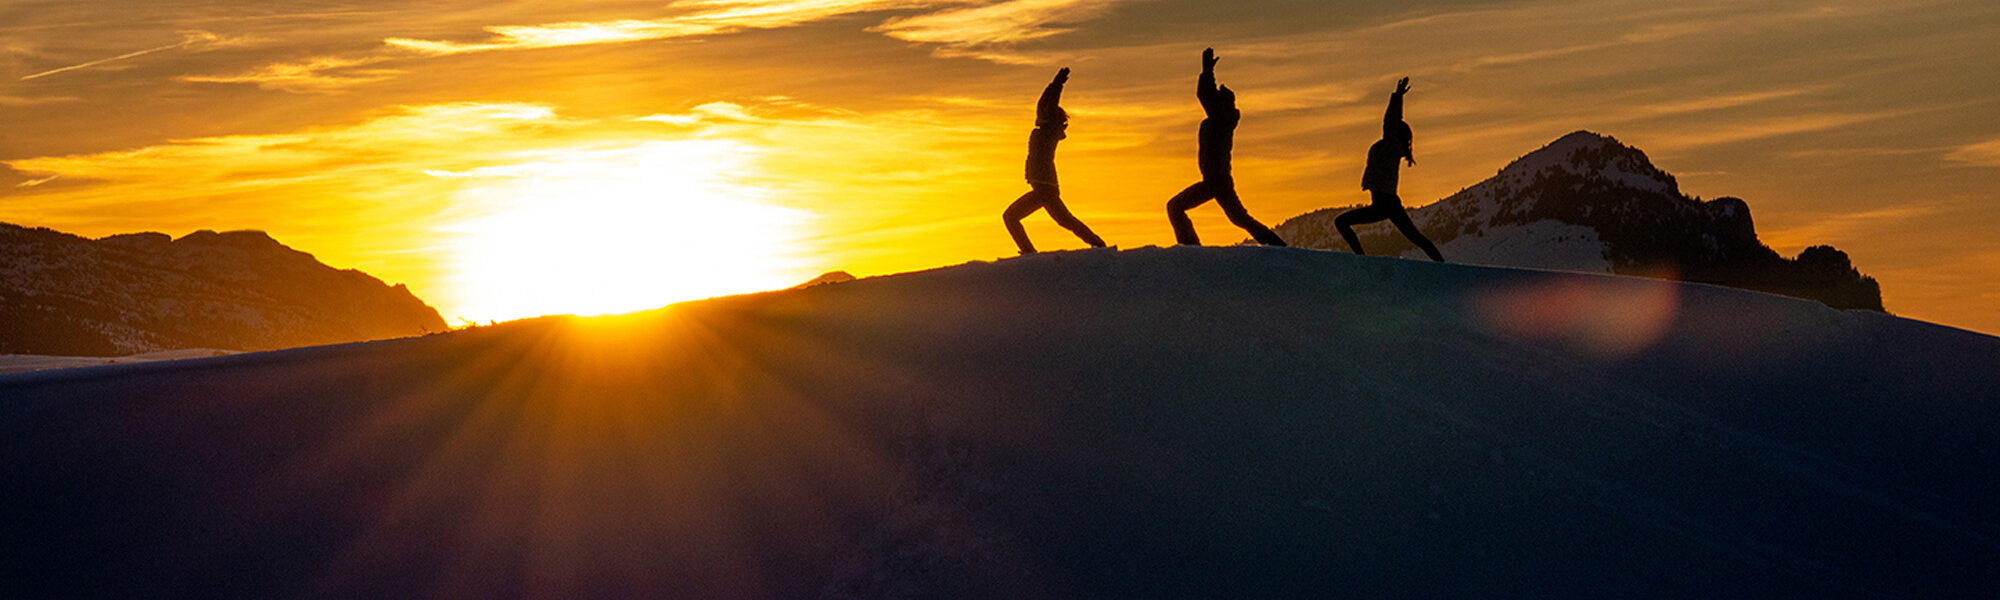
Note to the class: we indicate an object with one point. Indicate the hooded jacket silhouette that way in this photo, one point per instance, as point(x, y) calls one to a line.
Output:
point(1217, 139)
point(1051, 125)
point(1218, 131)
point(1395, 145)
point(1380, 179)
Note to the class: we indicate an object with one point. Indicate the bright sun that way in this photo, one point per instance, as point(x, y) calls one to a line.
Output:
point(610, 230)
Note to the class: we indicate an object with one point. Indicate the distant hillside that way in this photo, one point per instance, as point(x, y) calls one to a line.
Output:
point(1184, 422)
point(144, 292)
point(1586, 202)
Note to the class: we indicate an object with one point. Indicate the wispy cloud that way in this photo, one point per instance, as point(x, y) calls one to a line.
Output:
point(1761, 128)
point(27, 101)
point(1982, 154)
point(705, 18)
point(1841, 228)
point(189, 38)
point(1718, 102)
point(411, 133)
point(556, 35)
point(982, 30)
point(672, 119)
point(1855, 152)
point(1527, 56)
point(35, 182)
point(995, 24)
point(319, 74)
point(710, 112)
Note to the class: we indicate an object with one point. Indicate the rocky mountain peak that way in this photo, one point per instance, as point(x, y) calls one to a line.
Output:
point(145, 292)
point(1586, 202)
point(1584, 153)
point(247, 238)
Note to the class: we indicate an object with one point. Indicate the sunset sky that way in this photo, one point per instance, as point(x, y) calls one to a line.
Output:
point(507, 159)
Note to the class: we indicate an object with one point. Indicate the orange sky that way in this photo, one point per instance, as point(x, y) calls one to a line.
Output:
point(513, 158)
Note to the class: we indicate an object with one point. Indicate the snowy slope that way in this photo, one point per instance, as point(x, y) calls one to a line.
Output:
point(1586, 202)
point(1179, 422)
point(1544, 244)
point(21, 363)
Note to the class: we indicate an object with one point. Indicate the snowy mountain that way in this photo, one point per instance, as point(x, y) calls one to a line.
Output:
point(1588, 203)
point(1245, 422)
point(143, 292)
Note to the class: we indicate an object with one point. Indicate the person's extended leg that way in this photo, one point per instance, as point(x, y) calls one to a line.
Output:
point(1232, 206)
point(1177, 209)
point(1027, 204)
point(1060, 212)
point(1402, 220)
point(1347, 220)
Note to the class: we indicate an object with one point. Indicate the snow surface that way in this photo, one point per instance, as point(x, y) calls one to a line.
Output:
point(21, 363)
point(1178, 422)
point(1544, 244)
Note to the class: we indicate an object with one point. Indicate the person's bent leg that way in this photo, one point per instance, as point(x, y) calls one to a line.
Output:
point(1177, 209)
point(1060, 212)
point(1402, 220)
point(1027, 204)
point(1232, 206)
point(1347, 220)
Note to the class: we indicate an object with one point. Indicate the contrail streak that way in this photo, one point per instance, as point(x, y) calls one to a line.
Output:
point(36, 182)
point(192, 39)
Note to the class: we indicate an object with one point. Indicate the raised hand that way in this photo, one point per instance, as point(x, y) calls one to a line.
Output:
point(1208, 59)
point(1403, 86)
point(1063, 75)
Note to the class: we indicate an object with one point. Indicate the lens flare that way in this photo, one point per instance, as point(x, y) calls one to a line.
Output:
point(1610, 318)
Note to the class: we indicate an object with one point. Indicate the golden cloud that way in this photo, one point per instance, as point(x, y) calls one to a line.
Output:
point(319, 74)
point(993, 24)
point(1982, 154)
point(969, 31)
point(706, 18)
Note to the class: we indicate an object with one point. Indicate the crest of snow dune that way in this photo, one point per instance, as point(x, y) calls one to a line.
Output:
point(1288, 423)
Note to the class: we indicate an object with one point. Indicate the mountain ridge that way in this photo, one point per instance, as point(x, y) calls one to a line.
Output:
point(62, 294)
point(1587, 202)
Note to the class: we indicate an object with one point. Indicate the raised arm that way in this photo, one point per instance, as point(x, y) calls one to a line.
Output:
point(1047, 108)
point(1393, 125)
point(1205, 85)
point(1395, 113)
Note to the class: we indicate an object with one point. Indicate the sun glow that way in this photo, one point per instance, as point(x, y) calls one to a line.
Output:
point(609, 230)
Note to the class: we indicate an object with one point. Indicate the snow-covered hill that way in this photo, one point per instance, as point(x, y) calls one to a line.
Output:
point(136, 293)
point(1181, 422)
point(1586, 202)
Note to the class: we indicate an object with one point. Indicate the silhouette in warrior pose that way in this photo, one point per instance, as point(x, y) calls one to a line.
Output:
point(1380, 180)
point(1050, 121)
point(1217, 136)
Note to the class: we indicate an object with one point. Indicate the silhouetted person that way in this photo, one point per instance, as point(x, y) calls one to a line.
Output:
point(1218, 133)
point(1050, 122)
point(1380, 180)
